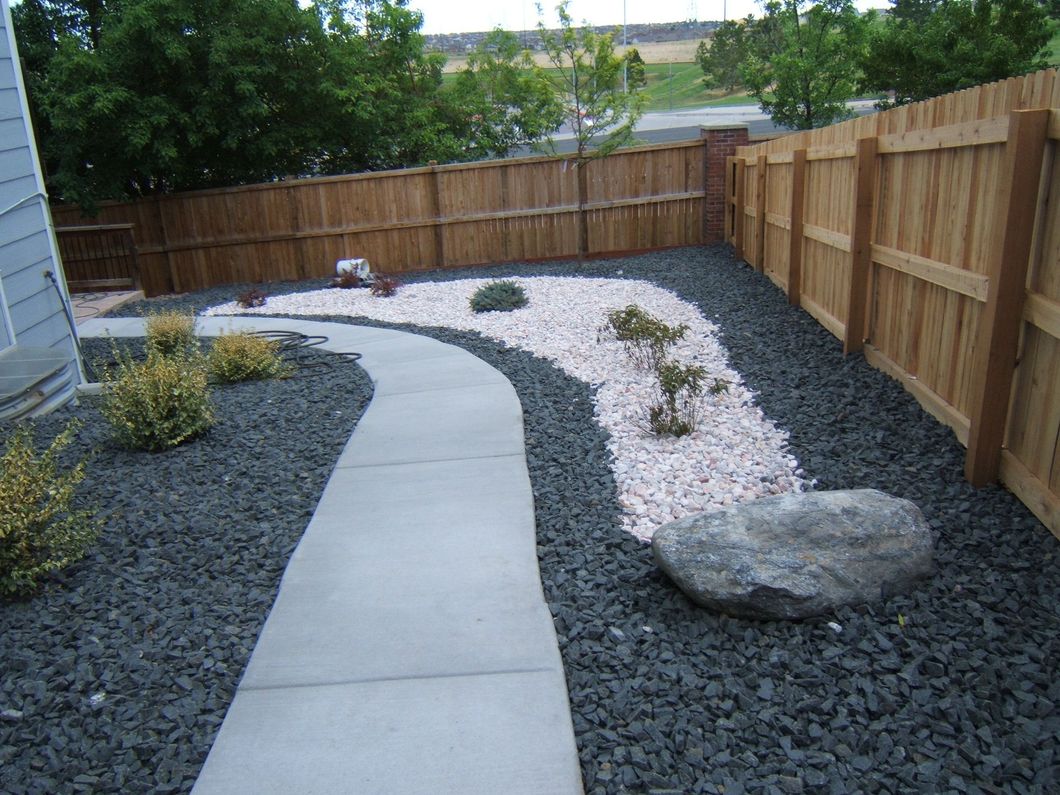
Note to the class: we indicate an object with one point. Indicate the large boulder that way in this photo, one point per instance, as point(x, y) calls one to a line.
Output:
point(797, 555)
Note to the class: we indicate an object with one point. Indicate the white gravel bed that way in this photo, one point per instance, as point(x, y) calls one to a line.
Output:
point(735, 454)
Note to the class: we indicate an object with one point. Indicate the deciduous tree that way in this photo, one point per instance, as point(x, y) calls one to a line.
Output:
point(803, 67)
point(586, 78)
point(500, 101)
point(725, 56)
point(958, 44)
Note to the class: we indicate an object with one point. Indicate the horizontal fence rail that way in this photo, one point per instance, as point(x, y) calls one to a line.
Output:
point(928, 237)
point(534, 208)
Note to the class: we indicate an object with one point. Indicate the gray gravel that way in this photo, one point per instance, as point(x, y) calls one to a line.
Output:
point(117, 675)
point(950, 689)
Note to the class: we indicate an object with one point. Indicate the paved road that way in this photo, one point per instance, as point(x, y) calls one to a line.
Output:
point(683, 125)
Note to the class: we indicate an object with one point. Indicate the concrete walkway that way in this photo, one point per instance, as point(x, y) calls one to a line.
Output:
point(410, 649)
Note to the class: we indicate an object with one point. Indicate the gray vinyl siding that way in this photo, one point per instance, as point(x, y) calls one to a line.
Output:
point(26, 249)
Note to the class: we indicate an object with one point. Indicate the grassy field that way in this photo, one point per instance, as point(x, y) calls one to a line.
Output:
point(655, 52)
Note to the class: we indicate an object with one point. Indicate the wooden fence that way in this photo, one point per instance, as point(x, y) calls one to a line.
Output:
point(99, 258)
point(421, 218)
point(928, 237)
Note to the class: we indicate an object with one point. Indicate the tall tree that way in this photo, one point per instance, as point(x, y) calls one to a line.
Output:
point(136, 97)
point(961, 43)
point(803, 66)
point(723, 59)
point(636, 76)
point(499, 101)
point(586, 78)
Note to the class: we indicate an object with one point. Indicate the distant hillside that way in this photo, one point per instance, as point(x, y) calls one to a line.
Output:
point(463, 43)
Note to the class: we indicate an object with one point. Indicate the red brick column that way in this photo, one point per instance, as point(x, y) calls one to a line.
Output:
point(721, 142)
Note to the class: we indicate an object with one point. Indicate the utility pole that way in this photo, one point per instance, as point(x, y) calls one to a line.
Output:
point(625, 63)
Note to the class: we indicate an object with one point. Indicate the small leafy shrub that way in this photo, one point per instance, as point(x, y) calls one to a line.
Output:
point(347, 281)
point(384, 286)
point(40, 531)
point(252, 299)
point(244, 357)
point(171, 334)
point(677, 411)
point(645, 337)
point(158, 403)
point(498, 296)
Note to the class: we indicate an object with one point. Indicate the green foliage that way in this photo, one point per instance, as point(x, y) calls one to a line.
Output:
point(954, 45)
point(680, 386)
point(499, 99)
point(243, 357)
point(803, 63)
point(499, 296)
point(40, 530)
point(722, 60)
point(635, 74)
point(586, 80)
point(645, 337)
point(171, 333)
point(158, 403)
point(141, 97)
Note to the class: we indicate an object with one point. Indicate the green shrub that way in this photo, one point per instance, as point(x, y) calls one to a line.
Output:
point(244, 357)
point(500, 296)
point(171, 334)
point(645, 337)
point(158, 403)
point(40, 532)
point(680, 387)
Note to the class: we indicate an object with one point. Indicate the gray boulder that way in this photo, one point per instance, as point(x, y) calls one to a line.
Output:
point(797, 555)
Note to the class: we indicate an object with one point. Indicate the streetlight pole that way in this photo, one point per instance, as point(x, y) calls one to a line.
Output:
point(625, 63)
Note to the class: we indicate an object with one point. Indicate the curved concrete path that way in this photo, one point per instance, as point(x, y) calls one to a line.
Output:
point(410, 649)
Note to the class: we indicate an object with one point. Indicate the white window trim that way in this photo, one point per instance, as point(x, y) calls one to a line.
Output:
point(5, 316)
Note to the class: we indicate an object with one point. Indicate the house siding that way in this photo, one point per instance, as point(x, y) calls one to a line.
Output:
point(27, 243)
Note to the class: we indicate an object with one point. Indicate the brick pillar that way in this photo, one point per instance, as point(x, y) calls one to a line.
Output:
point(720, 142)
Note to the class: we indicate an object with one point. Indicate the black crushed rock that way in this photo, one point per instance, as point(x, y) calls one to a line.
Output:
point(117, 674)
point(953, 688)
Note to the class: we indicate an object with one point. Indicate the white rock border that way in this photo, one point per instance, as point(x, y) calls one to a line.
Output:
point(735, 454)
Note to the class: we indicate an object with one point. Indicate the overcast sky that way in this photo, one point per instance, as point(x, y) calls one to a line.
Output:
point(457, 16)
point(454, 16)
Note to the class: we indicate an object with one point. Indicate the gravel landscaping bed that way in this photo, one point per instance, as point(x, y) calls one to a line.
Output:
point(117, 675)
point(950, 689)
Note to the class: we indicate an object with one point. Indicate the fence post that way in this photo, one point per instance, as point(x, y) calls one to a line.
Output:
point(760, 214)
point(134, 264)
point(583, 198)
point(798, 198)
point(439, 226)
point(1000, 322)
point(173, 285)
point(861, 244)
point(738, 208)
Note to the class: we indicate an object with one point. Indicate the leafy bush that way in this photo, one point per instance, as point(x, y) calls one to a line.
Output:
point(40, 532)
point(244, 357)
point(680, 387)
point(251, 299)
point(645, 337)
point(158, 403)
point(498, 296)
point(384, 286)
point(347, 280)
point(171, 334)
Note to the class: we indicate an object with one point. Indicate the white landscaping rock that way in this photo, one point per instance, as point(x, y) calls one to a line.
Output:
point(735, 454)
